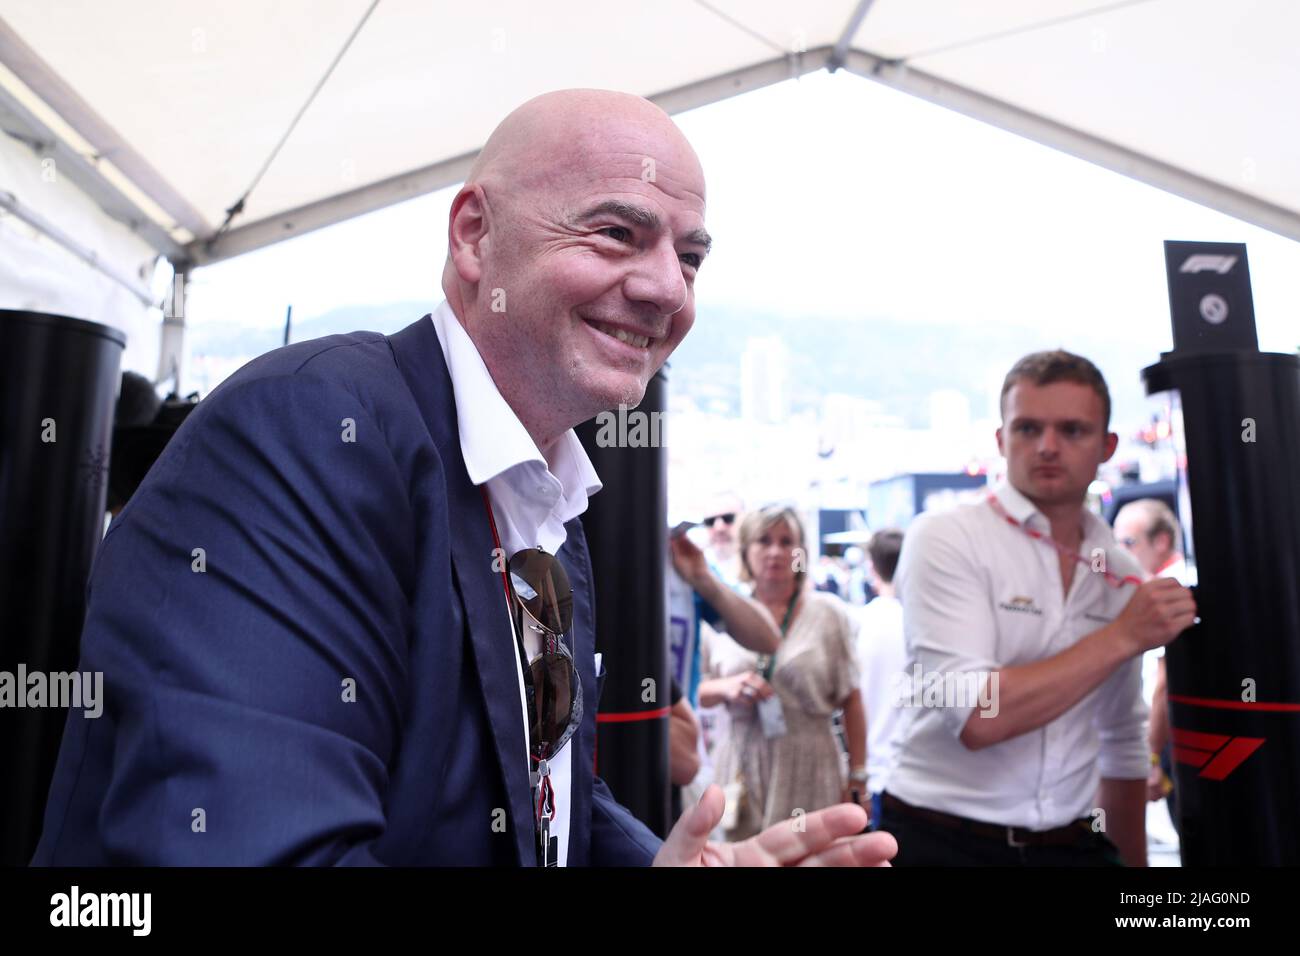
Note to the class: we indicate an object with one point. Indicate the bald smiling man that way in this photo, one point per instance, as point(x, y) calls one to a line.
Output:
point(322, 618)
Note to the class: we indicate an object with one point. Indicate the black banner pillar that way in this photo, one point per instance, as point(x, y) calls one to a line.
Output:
point(58, 380)
point(1234, 678)
point(626, 525)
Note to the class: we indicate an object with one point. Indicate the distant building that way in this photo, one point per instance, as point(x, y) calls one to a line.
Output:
point(764, 381)
point(848, 417)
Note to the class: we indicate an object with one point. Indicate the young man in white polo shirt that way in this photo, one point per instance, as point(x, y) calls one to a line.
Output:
point(1027, 597)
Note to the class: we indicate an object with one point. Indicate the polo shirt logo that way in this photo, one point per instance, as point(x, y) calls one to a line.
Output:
point(1021, 605)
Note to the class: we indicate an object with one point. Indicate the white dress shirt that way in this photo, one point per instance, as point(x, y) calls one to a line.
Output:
point(979, 595)
point(531, 501)
point(882, 657)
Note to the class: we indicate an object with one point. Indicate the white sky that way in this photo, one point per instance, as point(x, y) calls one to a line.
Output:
point(832, 195)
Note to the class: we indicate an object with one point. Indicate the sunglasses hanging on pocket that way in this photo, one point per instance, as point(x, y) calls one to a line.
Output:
point(540, 601)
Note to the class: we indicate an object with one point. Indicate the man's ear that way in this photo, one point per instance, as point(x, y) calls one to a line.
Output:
point(467, 228)
point(998, 434)
point(1112, 442)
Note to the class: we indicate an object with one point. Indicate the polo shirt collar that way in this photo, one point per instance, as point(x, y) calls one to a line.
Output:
point(1016, 504)
point(1024, 510)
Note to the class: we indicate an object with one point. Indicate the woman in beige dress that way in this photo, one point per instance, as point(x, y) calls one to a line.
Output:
point(814, 674)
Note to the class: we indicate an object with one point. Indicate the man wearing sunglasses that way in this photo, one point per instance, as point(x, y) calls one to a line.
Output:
point(347, 618)
point(723, 521)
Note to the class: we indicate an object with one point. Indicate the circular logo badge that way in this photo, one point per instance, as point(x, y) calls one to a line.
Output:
point(1214, 309)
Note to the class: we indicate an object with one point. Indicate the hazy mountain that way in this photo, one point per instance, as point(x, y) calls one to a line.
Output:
point(230, 341)
point(894, 362)
point(899, 363)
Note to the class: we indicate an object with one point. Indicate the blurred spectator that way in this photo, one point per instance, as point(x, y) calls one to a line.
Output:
point(725, 609)
point(699, 596)
point(882, 658)
point(142, 426)
point(827, 577)
point(137, 407)
point(1151, 533)
point(722, 519)
point(855, 563)
point(781, 755)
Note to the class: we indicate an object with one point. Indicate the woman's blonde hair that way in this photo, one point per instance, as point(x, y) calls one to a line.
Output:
point(757, 523)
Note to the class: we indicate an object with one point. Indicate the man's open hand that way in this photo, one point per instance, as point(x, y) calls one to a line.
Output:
point(830, 837)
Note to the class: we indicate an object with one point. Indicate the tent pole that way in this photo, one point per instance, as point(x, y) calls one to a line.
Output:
point(171, 345)
point(845, 42)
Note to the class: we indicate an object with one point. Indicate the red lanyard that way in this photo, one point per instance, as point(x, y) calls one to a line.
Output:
point(1114, 580)
point(500, 552)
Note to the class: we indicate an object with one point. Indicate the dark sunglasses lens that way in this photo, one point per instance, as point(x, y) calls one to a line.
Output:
point(542, 586)
point(728, 518)
point(552, 700)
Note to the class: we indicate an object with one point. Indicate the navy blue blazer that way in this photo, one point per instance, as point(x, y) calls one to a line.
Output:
point(265, 563)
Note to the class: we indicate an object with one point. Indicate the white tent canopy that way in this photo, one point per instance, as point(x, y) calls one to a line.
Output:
point(166, 113)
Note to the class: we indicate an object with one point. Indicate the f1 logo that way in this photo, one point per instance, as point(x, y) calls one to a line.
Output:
point(1216, 755)
point(1207, 262)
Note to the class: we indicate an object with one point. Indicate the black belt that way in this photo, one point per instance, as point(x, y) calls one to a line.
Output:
point(1077, 833)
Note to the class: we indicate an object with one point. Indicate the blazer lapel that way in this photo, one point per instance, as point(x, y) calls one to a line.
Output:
point(420, 359)
point(573, 555)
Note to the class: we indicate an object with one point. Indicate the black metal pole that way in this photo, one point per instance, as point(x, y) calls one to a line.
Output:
point(627, 528)
point(1234, 678)
point(58, 380)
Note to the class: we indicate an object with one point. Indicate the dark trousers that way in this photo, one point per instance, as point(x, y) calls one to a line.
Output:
point(923, 843)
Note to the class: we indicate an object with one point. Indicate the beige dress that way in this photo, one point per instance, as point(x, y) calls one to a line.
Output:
point(816, 670)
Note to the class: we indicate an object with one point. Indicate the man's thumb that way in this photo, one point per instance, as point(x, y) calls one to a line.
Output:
point(686, 841)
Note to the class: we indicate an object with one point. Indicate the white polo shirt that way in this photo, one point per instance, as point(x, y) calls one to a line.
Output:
point(530, 501)
point(979, 595)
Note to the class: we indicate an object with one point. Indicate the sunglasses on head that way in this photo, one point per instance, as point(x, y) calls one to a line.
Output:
point(543, 604)
point(726, 518)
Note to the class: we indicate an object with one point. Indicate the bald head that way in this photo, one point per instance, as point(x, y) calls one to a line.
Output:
point(573, 250)
point(548, 135)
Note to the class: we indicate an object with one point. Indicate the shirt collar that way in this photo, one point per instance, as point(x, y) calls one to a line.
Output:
point(1024, 510)
point(1015, 504)
point(492, 439)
